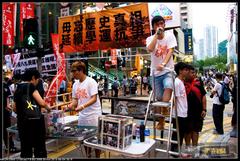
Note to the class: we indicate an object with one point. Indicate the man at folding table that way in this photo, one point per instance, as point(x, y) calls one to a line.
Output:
point(85, 98)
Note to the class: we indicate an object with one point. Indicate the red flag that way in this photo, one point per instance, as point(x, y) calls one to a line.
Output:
point(59, 56)
point(114, 56)
point(61, 74)
point(8, 24)
point(26, 12)
point(53, 88)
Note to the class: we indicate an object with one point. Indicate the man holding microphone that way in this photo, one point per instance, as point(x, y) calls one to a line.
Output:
point(161, 46)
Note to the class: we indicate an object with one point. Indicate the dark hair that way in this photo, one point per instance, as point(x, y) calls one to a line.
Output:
point(218, 75)
point(157, 19)
point(190, 67)
point(6, 79)
point(180, 66)
point(29, 73)
point(79, 65)
point(17, 77)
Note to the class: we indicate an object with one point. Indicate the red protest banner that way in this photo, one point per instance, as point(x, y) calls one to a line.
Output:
point(61, 74)
point(8, 24)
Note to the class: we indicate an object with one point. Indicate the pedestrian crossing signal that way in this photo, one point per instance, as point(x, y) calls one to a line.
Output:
point(30, 30)
point(31, 40)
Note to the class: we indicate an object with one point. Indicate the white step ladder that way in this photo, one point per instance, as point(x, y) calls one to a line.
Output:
point(152, 104)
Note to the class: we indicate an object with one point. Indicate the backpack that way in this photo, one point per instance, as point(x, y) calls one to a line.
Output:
point(30, 109)
point(224, 97)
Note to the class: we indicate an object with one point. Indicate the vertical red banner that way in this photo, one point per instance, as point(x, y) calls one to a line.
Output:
point(114, 56)
point(8, 23)
point(26, 12)
point(61, 74)
point(59, 56)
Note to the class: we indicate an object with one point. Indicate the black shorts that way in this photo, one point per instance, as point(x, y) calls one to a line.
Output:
point(194, 124)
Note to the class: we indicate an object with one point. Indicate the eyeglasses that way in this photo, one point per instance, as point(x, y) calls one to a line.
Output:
point(74, 70)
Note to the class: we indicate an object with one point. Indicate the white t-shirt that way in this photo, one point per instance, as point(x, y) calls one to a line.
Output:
point(218, 89)
point(83, 92)
point(161, 49)
point(226, 80)
point(181, 99)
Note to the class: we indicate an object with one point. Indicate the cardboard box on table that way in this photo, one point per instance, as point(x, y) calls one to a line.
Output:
point(115, 131)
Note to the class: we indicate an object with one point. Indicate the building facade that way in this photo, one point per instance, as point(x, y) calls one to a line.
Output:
point(232, 47)
point(210, 41)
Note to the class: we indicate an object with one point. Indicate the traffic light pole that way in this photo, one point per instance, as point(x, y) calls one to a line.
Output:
point(39, 60)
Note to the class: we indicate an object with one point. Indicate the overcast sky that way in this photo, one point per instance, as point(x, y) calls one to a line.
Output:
point(210, 13)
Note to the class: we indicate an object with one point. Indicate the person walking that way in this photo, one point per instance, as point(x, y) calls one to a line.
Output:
point(115, 87)
point(85, 97)
point(106, 87)
point(124, 85)
point(161, 46)
point(100, 87)
point(218, 107)
point(31, 131)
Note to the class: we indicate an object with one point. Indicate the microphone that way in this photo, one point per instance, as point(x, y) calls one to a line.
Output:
point(159, 31)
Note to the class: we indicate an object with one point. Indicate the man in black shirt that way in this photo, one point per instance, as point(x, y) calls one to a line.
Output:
point(196, 96)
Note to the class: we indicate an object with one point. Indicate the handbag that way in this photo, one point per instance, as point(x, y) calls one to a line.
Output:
point(31, 110)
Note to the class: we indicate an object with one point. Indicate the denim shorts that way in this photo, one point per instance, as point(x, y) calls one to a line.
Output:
point(162, 82)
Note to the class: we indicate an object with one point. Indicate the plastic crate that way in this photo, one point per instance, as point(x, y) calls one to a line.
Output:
point(51, 123)
point(115, 131)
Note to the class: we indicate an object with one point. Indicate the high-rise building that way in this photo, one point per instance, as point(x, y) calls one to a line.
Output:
point(201, 49)
point(186, 42)
point(232, 47)
point(186, 15)
point(210, 41)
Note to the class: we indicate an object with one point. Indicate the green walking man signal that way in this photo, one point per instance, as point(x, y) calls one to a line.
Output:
point(30, 30)
point(31, 40)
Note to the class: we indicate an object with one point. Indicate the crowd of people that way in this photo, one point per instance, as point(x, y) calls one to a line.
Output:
point(126, 87)
point(190, 93)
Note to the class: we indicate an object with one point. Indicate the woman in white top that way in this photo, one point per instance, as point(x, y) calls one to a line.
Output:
point(85, 97)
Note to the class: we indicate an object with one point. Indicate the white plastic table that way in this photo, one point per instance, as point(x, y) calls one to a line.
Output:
point(135, 150)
